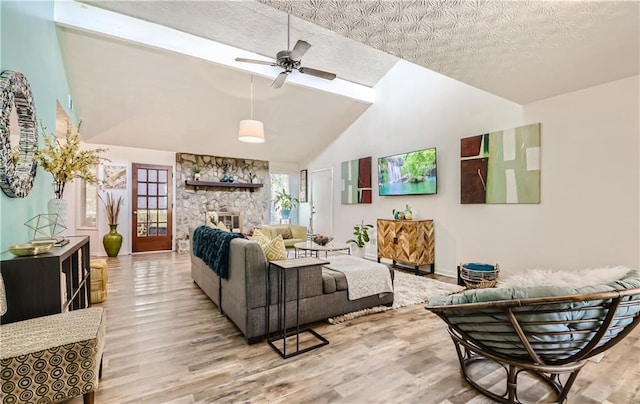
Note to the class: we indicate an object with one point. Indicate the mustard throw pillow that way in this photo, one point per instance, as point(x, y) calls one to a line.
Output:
point(260, 237)
point(274, 249)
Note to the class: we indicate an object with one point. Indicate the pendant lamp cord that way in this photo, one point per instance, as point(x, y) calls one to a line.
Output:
point(252, 97)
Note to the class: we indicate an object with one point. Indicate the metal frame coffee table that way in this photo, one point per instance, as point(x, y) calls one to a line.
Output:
point(311, 247)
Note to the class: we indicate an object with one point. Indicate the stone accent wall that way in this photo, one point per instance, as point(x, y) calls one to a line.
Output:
point(191, 204)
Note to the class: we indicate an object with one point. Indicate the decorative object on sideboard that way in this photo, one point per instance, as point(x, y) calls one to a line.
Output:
point(405, 214)
point(17, 170)
point(361, 233)
point(112, 241)
point(47, 228)
point(66, 162)
point(24, 250)
point(284, 202)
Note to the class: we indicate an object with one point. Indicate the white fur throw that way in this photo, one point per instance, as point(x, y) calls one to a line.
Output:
point(570, 278)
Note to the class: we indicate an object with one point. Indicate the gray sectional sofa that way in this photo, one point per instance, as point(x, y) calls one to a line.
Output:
point(243, 296)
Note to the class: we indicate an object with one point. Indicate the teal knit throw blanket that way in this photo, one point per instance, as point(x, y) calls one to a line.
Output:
point(212, 246)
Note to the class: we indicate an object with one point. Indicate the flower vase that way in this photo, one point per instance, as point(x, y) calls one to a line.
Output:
point(58, 207)
point(112, 241)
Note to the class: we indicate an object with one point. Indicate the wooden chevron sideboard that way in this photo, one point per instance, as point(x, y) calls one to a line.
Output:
point(409, 242)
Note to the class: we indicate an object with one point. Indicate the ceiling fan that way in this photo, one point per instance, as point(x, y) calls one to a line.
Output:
point(290, 60)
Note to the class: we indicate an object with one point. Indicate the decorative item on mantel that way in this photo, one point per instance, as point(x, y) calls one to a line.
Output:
point(196, 172)
point(65, 161)
point(112, 241)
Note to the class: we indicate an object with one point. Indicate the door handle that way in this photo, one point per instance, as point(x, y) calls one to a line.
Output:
point(135, 212)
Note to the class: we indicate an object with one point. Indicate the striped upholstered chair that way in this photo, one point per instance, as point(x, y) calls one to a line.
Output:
point(52, 358)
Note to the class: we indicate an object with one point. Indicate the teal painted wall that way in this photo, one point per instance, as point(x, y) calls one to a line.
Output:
point(29, 44)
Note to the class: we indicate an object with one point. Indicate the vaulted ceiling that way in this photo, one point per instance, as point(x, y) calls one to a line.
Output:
point(156, 74)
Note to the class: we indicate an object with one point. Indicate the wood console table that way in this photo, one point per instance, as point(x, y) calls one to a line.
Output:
point(410, 242)
point(36, 287)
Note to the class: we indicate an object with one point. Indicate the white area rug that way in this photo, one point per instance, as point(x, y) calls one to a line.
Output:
point(570, 278)
point(409, 290)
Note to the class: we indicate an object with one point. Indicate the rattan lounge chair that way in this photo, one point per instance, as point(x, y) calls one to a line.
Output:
point(549, 337)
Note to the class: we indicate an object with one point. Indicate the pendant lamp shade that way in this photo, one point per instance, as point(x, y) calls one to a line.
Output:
point(251, 131)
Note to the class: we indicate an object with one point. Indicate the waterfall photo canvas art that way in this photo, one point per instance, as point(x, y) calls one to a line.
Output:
point(412, 173)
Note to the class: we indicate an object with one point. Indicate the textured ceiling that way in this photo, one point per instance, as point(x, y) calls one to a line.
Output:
point(520, 50)
point(257, 28)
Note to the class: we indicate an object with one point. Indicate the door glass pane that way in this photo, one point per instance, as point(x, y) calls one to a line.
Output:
point(153, 216)
point(162, 215)
point(162, 202)
point(162, 189)
point(153, 203)
point(142, 174)
point(142, 202)
point(153, 229)
point(142, 230)
point(153, 175)
point(162, 229)
point(162, 175)
point(142, 216)
point(153, 189)
point(142, 188)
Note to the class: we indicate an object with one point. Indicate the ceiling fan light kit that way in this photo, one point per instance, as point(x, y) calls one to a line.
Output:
point(289, 60)
point(250, 130)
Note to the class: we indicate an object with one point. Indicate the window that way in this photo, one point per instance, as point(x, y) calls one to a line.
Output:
point(88, 204)
point(278, 182)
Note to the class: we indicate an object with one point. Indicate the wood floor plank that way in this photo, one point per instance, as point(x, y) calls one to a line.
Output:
point(168, 343)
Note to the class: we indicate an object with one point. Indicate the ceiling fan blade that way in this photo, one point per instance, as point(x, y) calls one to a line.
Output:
point(277, 83)
point(317, 73)
point(258, 62)
point(299, 50)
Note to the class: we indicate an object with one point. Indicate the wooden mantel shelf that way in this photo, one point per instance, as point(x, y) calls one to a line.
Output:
point(223, 184)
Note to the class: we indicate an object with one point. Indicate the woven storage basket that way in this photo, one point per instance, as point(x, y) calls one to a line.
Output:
point(479, 278)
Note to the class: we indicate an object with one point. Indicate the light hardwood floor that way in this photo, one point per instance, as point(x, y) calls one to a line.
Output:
point(167, 343)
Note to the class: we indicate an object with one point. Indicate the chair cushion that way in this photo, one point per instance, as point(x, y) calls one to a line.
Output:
point(52, 358)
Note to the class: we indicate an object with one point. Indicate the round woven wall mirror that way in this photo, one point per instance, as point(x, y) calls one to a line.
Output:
point(17, 165)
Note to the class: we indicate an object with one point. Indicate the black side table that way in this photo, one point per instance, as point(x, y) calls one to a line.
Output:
point(282, 268)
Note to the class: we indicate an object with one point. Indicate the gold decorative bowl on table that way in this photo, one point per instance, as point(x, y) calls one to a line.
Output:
point(23, 250)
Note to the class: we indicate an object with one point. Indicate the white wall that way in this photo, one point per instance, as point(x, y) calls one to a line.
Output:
point(122, 156)
point(589, 213)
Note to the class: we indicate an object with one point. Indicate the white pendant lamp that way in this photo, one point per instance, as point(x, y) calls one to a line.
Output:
point(251, 131)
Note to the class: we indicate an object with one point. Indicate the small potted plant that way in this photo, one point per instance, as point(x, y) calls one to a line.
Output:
point(361, 233)
point(196, 169)
point(284, 202)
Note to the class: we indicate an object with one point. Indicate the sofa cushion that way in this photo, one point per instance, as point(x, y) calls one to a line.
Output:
point(335, 279)
point(284, 232)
